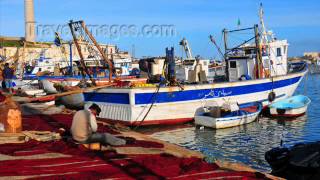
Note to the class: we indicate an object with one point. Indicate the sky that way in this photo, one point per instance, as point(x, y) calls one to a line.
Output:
point(147, 27)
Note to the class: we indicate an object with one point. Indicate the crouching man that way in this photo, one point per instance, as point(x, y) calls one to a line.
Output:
point(84, 128)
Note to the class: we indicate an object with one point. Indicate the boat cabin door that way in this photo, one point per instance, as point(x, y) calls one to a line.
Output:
point(237, 68)
point(233, 70)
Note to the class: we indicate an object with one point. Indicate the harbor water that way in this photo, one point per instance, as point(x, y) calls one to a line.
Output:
point(248, 143)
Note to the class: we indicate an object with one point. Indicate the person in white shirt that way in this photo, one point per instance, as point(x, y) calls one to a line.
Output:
point(84, 128)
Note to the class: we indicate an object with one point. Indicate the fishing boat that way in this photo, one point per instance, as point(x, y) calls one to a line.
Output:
point(232, 115)
point(255, 72)
point(290, 107)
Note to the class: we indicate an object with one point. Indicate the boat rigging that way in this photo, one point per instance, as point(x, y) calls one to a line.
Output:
point(81, 33)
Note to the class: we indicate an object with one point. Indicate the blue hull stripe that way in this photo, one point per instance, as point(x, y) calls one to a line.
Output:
point(117, 98)
point(189, 95)
point(34, 77)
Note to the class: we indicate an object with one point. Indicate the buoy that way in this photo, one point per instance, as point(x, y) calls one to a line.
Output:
point(271, 96)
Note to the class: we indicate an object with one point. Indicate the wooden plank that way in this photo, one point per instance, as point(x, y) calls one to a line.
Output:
point(137, 150)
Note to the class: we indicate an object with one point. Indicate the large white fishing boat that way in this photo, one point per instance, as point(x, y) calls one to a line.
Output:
point(255, 72)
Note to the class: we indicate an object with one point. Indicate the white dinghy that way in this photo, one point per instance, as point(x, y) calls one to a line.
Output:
point(229, 115)
point(290, 107)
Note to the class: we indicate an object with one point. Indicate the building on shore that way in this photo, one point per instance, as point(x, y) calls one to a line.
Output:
point(27, 51)
point(312, 55)
point(15, 49)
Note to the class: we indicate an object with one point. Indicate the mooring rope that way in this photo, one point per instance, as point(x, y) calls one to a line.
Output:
point(154, 99)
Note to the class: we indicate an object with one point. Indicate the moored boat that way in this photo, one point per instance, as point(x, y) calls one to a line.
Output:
point(173, 105)
point(255, 71)
point(253, 74)
point(235, 116)
point(291, 107)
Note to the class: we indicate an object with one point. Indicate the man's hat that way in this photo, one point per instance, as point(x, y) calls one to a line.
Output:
point(95, 107)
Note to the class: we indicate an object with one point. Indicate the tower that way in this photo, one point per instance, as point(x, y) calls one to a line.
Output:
point(30, 34)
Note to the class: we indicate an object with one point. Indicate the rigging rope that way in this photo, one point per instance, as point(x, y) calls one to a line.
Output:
point(154, 99)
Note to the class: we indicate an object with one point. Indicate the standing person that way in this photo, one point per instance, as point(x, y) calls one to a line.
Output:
point(7, 75)
point(84, 128)
point(3, 84)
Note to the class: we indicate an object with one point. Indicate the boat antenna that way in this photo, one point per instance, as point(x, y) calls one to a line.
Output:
point(264, 33)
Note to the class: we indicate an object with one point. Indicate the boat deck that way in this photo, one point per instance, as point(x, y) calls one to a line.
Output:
point(142, 157)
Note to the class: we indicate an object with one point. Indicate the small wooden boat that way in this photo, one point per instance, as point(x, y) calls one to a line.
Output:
point(290, 107)
point(218, 117)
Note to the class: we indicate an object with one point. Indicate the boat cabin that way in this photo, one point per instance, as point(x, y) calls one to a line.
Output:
point(242, 63)
point(240, 68)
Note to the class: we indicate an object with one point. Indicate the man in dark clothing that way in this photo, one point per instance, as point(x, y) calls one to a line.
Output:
point(7, 75)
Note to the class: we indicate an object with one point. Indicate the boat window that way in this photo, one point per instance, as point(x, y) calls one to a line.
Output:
point(278, 52)
point(233, 64)
point(205, 63)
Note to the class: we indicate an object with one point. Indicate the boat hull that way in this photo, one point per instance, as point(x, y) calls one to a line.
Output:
point(219, 123)
point(288, 112)
point(291, 107)
point(131, 105)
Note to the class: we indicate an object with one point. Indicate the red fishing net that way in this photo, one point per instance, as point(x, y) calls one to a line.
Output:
point(65, 160)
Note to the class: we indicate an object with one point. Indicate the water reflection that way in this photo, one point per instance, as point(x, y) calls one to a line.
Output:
point(248, 143)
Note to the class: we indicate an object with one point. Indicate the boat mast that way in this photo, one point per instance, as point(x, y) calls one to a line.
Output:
point(225, 33)
point(70, 58)
point(74, 26)
point(258, 51)
point(264, 38)
point(99, 49)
